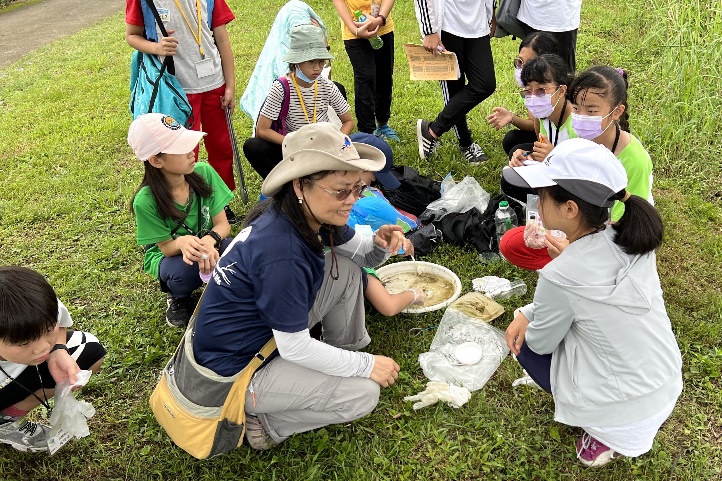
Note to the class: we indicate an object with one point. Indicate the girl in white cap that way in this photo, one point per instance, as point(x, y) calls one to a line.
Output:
point(301, 97)
point(597, 336)
point(295, 265)
point(178, 211)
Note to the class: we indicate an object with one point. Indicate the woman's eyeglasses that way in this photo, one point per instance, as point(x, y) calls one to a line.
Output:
point(540, 92)
point(343, 193)
point(518, 62)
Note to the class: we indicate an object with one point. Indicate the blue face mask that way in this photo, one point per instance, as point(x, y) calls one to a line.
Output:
point(301, 76)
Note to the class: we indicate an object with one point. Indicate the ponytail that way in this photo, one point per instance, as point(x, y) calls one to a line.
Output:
point(640, 230)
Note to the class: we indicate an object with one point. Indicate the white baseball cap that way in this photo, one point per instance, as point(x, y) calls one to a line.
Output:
point(584, 168)
point(152, 134)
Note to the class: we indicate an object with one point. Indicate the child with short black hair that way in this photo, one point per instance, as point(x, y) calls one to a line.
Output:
point(37, 351)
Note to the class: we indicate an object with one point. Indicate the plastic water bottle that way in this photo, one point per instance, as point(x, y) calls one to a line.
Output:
point(517, 287)
point(376, 41)
point(505, 218)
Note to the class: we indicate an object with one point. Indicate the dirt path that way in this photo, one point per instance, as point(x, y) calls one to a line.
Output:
point(28, 27)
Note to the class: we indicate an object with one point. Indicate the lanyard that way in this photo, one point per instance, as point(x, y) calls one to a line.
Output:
point(197, 36)
point(43, 402)
point(561, 118)
point(300, 98)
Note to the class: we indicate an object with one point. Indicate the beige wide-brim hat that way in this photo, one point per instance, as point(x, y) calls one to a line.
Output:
point(308, 42)
point(318, 147)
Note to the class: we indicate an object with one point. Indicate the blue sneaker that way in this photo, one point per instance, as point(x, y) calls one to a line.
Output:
point(387, 133)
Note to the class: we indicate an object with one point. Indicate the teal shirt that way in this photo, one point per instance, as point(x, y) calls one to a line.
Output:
point(151, 228)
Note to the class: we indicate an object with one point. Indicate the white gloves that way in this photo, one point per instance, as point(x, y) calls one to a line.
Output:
point(454, 396)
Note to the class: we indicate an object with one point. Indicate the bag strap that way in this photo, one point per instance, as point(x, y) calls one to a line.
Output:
point(244, 378)
point(185, 214)
point(168, 61)
point(285, 105)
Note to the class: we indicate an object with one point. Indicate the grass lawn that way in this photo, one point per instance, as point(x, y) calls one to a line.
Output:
point(68, 176)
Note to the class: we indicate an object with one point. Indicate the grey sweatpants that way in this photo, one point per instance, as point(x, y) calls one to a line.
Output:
point(289, 398)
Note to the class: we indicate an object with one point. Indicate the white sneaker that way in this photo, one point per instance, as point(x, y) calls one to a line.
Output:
point(24, 436)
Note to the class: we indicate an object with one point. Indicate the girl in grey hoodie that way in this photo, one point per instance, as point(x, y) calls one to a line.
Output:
point(597, 336)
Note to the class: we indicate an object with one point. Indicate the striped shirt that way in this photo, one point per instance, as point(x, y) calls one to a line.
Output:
point(328, 95)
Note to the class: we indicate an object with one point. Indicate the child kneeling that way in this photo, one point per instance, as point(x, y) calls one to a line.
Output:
point(37, 351)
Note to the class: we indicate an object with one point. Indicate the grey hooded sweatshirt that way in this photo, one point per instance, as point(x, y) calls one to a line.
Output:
point(601, 315)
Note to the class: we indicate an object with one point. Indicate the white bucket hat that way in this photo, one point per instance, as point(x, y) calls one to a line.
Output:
point(317, 147)
point(586, 169)
point(152, 134)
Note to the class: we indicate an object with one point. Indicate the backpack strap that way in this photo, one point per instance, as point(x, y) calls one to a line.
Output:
point(150, 27)
point(285, 105)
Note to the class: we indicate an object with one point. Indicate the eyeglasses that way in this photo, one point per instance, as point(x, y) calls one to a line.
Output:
point(518, 62)
point(320, 63)
point(540, 92)
point(343, 193)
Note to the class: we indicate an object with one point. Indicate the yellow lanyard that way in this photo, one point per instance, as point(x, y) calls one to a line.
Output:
point(300, 98)
point(197, 36)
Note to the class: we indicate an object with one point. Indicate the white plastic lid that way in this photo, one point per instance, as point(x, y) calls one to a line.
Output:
point(468, 353)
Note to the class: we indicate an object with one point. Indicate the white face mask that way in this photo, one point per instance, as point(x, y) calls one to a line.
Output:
point(540, 106)
point(517, 76)
point(589, 126)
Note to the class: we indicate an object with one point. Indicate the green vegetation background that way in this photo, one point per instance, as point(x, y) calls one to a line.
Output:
point(68, 175)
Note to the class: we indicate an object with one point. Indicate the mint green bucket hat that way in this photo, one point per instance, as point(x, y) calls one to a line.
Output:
point(308, 42)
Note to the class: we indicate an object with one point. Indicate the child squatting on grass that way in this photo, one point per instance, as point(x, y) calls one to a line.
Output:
point(178, 211)
point(597, 336)
point(37, 351)
point(309, 96)
point(600, 114)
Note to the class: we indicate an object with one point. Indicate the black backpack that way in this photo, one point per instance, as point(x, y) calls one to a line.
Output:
point(476, 228)
point(415, 192)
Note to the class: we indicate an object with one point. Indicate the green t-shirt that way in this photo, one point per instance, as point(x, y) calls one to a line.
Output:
point(638, 164)
point(151, 228)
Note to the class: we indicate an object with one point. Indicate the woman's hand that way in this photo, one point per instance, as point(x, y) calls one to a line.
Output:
point(515, 333)
point(432, 43)
point(62, 367)
point(500, 118)
point(385, 371)
point(391, 237)
point(369, 28)
point(555, 245)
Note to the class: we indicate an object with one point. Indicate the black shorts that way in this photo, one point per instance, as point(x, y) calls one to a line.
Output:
point(82, 346)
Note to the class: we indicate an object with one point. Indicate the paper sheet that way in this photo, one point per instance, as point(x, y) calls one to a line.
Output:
point(424, 65)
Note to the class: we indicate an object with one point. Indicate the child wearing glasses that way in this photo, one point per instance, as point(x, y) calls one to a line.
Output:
point(178, 211)
point(600, 114)
point(37, 351)
point(299, 98)
point(533, 45)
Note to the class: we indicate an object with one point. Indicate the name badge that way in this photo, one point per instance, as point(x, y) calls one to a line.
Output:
point(164, 14)
point(204, 68)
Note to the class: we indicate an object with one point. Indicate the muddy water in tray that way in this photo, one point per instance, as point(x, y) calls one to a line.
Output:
point(437, 289)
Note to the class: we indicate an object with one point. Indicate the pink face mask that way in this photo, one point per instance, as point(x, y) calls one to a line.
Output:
point(540, 106)
point(589, 126)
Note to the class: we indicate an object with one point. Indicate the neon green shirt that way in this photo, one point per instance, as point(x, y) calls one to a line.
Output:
point(151, 228)
point(638, 164)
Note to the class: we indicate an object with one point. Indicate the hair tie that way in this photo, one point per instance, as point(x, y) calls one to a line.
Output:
point(627, 195)
point(620, 71)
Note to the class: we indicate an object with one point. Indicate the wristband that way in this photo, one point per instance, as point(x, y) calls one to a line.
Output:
point(58, 347)
point(215, 236)
point(383, 19)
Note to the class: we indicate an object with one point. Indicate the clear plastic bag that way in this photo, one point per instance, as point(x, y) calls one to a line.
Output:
point(69, 414)
point(458, 197)
point(457, 328)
